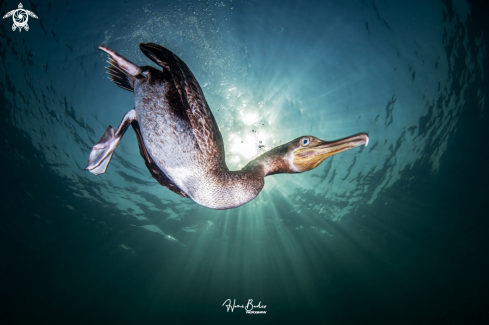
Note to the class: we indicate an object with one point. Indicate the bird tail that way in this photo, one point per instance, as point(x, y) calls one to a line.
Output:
point(121, 70)
point(119, 76)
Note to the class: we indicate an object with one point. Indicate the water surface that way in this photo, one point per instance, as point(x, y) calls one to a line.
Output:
point(391, 233)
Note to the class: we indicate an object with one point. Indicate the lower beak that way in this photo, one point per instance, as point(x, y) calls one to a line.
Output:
point(309, 158)
point(123, 63)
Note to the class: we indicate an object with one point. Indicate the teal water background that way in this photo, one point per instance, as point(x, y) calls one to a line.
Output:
point(392, 233)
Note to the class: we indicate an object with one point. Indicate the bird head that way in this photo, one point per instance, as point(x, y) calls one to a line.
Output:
point(305, 153)
point(309, 152)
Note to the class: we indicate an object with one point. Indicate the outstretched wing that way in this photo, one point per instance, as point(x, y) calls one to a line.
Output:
point(203, 123)
point(30, 13)
point(8, 14)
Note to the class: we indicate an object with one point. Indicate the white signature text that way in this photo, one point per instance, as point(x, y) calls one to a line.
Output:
point(249, 307)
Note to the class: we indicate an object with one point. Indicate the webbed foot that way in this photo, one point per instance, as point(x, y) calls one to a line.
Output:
point(102, 151)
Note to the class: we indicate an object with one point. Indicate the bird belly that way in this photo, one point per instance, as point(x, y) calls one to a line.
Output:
point(169, 140)
point(222, 196)
point(171, 143)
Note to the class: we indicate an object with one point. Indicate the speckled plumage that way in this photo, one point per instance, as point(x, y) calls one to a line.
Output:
point(195, 163)
point(182, 136)
point(181, 143)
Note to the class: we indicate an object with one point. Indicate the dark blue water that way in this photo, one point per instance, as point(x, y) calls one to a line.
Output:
point(392, 233)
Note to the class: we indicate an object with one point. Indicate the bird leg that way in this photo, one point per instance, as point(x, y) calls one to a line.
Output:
point(102, 151)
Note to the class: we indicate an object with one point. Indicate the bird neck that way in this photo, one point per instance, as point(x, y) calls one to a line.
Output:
point(271, 162)
point(225, 189)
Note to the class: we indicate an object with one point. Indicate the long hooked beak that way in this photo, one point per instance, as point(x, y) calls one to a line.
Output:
point(309, 158)
point(126, 65)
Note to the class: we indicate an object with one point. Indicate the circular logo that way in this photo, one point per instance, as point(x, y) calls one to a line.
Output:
point(20, 17)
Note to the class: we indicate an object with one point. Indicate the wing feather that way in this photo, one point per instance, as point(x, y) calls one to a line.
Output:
point(203, 123)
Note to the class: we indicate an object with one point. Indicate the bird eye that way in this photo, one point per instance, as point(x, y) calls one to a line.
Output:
point(305, 141)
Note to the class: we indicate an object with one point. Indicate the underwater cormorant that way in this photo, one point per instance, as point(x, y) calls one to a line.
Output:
point(181, 143)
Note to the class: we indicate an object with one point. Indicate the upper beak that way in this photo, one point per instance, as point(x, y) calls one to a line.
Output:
point(310, 157)
point(123, 63)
